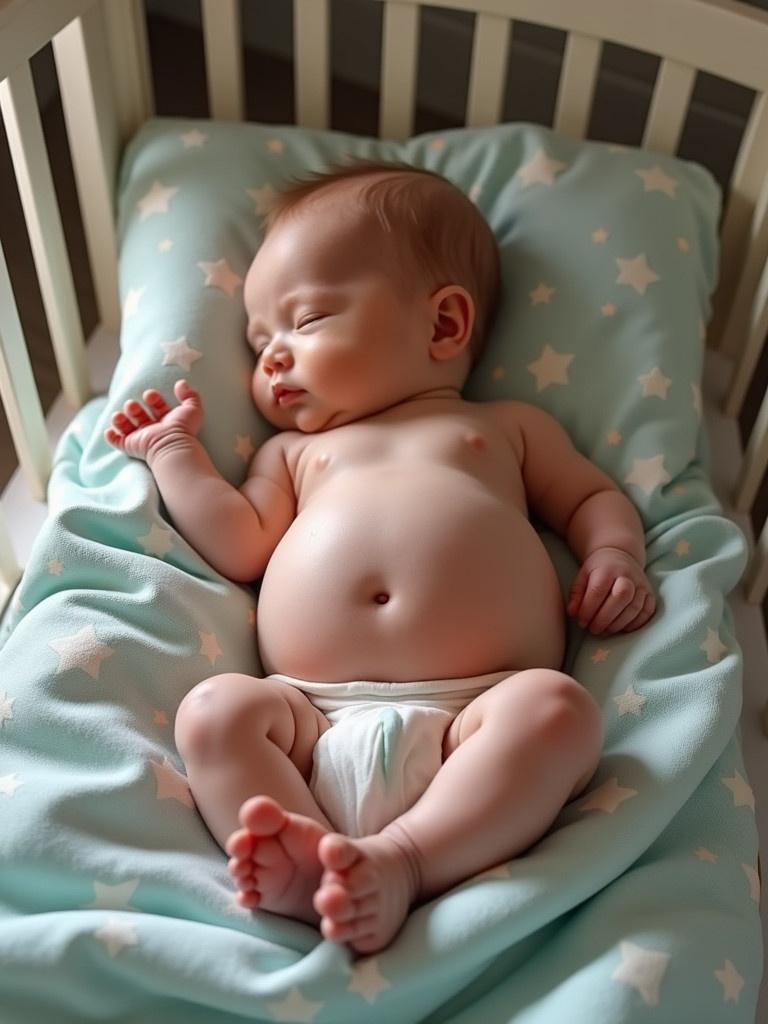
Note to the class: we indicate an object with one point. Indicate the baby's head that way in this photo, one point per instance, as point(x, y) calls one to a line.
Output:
point(403, 249)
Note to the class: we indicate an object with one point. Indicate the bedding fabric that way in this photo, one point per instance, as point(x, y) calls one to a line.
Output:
point(640, 904)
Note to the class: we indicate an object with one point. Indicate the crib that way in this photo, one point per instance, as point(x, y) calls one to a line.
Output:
point(103, 68)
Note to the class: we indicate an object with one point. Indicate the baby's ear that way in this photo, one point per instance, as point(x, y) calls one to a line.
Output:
point(453, 317)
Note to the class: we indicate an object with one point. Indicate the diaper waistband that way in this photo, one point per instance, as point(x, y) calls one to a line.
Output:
point(447, 694)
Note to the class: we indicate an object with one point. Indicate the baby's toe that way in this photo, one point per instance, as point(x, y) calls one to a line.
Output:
point(240, 844)
point(335, 902)
point(348, 931)
point(337, 852)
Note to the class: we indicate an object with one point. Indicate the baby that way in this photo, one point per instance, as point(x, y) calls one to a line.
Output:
point(406, 598)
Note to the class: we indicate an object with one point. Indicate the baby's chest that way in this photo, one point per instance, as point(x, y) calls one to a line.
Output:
point(473, 447)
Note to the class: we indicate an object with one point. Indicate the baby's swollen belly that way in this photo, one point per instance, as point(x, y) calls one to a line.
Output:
point(399, 588)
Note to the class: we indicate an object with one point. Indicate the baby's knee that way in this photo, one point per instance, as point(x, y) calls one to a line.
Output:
point(213, 714)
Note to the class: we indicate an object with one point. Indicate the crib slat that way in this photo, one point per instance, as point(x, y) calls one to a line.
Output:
point(756, 455)
point(93, 131)
point(398, 69)
point(129, 55)
point(756, 575)
point(577, 85)
point(750, 171)
point(756, 327)
point(669, 106)
point(19, 394)
point(10, 571)
point(224, 59)
point(311, 61)
point(487, 77)
point(46, 236)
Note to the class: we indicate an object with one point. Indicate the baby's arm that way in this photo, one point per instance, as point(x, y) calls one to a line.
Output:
point(236, 531)
point(611, 592)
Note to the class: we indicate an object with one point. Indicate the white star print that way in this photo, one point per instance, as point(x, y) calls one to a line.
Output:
point(170, 784)
point(614, 438)
point(165, 246)
point(81, 650)
point(713, 647)
point(156, 200)
point(608, 309)
point(6, 708)
point(113, 897)
point(683, 245)
point(209, 646)
point(630, 703)
point(275, 145)
point(542, 294)
point(9, 784)
point(244, 447)
point(194, 139)
point(655, 180)
point(754, 881)
point(220, 275)
point(368, 980)
point(116, 934)
point(262, 198)
point(742, 791)
point(600, 236)
point(132, 300)
point(55, 567)
point(540, 170)
point(636, 273)
point(682, 547)
point(607, 797)
point(550, 368)
point(703, 854)
point(647, 474)
point(655, 384)
point(643, 969)
point(295, 1007)
point(179, 353)
point(600, 655)
point(731, 981)
point(158, 541)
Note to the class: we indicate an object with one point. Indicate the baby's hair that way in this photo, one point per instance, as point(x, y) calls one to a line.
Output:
point(450, 241)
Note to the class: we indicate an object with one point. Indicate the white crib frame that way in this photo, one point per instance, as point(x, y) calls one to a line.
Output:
point(101, 55)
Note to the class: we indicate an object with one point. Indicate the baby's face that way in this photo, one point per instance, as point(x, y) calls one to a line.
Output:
point(335, 337)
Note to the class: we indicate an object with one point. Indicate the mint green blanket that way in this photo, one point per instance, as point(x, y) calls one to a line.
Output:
point(641, 903)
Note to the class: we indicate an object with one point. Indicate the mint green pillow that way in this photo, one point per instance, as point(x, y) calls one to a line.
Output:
point(608, 261)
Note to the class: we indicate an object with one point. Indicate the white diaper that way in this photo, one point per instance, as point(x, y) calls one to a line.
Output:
point(385, 744)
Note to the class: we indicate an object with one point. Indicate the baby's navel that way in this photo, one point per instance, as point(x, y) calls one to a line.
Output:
point(382, 597)
point(476, 441)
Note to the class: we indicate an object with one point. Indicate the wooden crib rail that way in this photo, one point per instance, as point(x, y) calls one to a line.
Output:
point(101, 53)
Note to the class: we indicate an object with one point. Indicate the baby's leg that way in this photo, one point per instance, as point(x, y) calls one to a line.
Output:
point(244, 740)
point(513, 758)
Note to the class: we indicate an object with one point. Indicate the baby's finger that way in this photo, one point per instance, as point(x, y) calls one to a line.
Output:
point(644, 615)
point(598, 588)
point(185, 393)
point(156, 403)
point(136, 413)
point(630, 613)
point(578, 587)
point(121, 423)
point(113, 437)
point(622, 592)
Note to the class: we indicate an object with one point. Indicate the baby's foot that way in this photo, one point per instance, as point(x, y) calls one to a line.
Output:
point(366, 889)
point(274, 859)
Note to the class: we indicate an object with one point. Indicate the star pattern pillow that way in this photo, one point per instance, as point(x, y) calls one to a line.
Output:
point(608, 254)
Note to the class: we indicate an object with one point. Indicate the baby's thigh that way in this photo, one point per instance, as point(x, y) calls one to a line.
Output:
point(540, 704)
point(226, 714)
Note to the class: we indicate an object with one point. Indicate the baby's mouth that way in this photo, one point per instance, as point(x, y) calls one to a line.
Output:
point(284, 395)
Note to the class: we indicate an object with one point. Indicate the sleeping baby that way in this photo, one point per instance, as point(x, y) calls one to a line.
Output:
point(413, 727)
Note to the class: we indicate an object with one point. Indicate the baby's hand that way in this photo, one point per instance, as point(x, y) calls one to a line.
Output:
point(141, 432)
point(611, 593)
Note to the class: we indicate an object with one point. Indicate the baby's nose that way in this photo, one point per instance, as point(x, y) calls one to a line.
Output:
point(276, 355)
